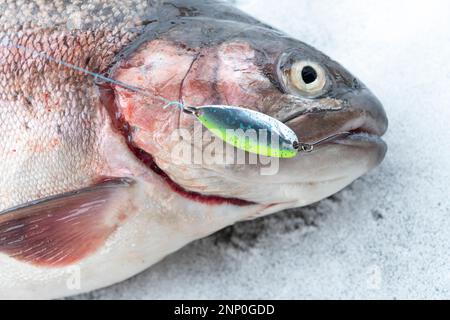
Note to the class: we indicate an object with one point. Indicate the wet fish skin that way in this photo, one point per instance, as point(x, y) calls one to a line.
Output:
point(62, 143)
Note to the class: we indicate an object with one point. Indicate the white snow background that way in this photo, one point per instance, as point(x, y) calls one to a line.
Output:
point(385, 236)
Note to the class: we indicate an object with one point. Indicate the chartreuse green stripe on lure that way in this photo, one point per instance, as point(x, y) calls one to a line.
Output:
point(252, 131)
point(249, 130)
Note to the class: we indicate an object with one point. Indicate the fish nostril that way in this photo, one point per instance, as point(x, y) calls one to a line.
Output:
point(356, 84)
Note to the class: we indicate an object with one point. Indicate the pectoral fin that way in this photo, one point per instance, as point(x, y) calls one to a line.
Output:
point(63, 229)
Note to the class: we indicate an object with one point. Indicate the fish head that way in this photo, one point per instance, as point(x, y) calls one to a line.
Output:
point(203, 60)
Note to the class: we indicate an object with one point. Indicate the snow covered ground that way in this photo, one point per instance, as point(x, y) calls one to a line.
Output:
point(387, 235)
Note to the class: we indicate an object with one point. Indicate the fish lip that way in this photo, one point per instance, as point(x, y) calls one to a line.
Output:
point(371, 110)
point(359, 136)
point(360, 114)
point(366, 140)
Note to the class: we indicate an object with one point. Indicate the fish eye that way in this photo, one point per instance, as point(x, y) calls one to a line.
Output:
point(308, 78)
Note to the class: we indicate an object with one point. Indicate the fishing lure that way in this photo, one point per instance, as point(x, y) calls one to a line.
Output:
point(248, 130)
point(253, 131)
point(245, 129)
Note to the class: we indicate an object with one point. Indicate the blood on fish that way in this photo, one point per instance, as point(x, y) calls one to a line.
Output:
point(148, 160)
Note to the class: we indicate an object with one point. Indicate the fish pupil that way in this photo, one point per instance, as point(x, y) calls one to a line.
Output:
point(309, 75)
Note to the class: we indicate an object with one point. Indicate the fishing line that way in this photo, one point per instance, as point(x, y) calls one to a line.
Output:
point(97, 76)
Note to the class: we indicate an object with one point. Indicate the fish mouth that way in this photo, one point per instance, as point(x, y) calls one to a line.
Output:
point(360, 138)
point(356, 137)
point(360, 121)
point(365, 137)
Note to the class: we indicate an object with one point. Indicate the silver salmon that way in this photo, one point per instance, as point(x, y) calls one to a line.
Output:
point(88, 176)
